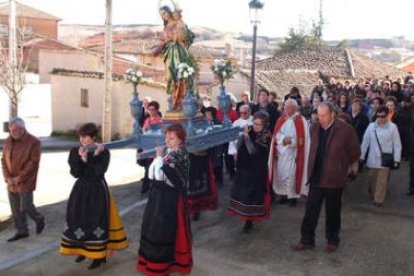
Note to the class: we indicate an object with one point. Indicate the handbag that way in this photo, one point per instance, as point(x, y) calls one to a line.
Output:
point(387, 159)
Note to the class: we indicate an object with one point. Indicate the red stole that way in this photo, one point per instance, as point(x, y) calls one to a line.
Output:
point(300, 149)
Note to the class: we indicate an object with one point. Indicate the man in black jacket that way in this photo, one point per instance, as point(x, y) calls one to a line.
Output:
point(245, 100)
point(264, 105)
point(360, 120)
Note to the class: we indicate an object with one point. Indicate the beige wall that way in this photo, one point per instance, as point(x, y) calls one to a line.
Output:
point(67, 112)
point(70, 60)
point(42, 27)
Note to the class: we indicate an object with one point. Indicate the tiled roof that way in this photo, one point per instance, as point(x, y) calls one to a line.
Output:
point(129, 42)
point(100, 75)
point(407, 64)
point(281, 81)
point(303, 68)
point(142, 42)
point(26, 11)
point(331, 62)
point(365, 67)
point(46, 43)
point(408, 68)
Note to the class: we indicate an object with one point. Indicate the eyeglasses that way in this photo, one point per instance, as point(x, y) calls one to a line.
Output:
point(381, 116)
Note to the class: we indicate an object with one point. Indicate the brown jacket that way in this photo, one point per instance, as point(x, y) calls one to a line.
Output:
point(342, 150)
point(21, 158)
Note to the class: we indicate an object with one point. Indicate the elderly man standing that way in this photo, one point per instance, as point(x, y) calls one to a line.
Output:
point(333, 154)
point(20, 163)
point(289, 154)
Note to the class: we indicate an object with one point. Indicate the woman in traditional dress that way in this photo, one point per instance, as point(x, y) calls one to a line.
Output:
point(93, 225)
point(250, 192)
point(165, 244)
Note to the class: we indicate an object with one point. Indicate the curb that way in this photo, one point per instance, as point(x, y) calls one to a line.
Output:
point(5, 222)
point(45, 146)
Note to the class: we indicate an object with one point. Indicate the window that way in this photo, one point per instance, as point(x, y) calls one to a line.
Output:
point(4, 30)
point(84, 97)
point(28, 31)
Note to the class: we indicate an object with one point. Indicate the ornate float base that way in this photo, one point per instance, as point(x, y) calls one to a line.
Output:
point(204, 136)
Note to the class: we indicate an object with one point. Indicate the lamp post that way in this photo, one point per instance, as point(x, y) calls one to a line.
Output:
point(254, 8)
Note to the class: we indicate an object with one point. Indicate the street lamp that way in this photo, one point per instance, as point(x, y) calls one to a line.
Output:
point(255, 7)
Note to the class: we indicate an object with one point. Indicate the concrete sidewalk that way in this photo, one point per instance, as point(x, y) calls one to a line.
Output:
point(50, 143)
point(375, 241)
point(55, 182)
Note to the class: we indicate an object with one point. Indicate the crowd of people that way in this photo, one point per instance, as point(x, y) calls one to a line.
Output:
point(296, 147)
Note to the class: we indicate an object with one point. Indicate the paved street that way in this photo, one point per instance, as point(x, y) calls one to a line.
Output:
point(55, 182)
point(375, 241)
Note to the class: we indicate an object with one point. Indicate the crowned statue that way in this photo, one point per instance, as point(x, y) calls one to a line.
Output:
point(173, 48)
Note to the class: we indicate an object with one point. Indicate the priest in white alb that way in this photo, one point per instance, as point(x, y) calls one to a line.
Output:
point(289, 154)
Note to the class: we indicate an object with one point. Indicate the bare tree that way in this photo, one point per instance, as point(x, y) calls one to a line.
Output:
point(13, 73)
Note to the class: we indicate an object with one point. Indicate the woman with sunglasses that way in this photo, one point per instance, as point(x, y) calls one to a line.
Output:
point(381, 136)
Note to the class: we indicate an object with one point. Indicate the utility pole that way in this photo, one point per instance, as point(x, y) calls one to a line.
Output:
point(12, 55)
point(321, 21)
point(106, 122)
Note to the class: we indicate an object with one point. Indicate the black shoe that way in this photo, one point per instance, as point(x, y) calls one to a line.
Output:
point(145, 186)
point(196, 216)
point(283, 200)
point(80, 259)
point(292, 202)
point(40, 226)
point(410, 193)
point(18, 237)
point(248, 226)
point(96, 263)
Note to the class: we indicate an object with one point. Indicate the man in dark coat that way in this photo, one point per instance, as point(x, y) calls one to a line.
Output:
point(264, 105)
point(403, 121)
point(245, 100)
point(360, 120)
point(333, 157)
point(411, 157)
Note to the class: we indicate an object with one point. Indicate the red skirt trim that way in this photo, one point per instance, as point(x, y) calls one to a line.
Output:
point(183, 259)
point(266, 214)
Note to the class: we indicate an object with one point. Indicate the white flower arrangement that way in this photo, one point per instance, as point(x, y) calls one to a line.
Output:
point(185, 71)
point(133, 76)
point(222, 69)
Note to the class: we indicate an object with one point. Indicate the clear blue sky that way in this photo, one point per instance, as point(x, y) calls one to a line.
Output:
point(345, 19)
